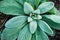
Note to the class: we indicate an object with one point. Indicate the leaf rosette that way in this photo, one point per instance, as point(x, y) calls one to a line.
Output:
point(32, 22)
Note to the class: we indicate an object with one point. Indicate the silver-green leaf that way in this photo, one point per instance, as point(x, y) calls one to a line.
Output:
point(25, 34)
point(18, 21)
point(36, 11)
point(33, 26)
point(9, 34)
point(54, 18)
point(32, 2)
point(45, 27)
point(51, 23)
point(30, 19)
point(11, 7)
point(45, 7)
point(28, 8)
point(40, 35)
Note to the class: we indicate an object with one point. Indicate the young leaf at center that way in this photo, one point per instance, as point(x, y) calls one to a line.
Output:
point(33, 26)
point(25, 34)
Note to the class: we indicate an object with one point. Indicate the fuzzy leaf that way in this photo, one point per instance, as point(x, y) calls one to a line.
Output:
point(36, 11)
point(54, 18)
point(40, 35)
point(24, 34)
point(28, 8)
point(32, 2)
point(30, 19)
point(11, 7)
point(45, 7)
point(45, 27)
point(9, 34)
point(18, 22)
point(33, 26)
point(51, 23)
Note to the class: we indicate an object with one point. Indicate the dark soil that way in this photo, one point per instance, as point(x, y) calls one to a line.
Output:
point(57, 36)
point(57, 3)
point(4, 18)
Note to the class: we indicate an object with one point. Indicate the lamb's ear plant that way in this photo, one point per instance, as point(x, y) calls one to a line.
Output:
point(33, 22)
